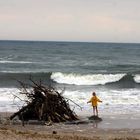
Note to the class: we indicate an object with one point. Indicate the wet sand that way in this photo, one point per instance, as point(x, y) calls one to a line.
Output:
point(111, 128)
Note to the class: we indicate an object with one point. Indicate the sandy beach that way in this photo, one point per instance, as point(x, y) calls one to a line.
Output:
point(111, 128)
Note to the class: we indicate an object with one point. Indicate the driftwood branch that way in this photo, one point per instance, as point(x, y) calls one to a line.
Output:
point(74, 103)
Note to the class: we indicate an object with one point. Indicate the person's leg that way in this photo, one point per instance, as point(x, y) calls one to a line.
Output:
point(96, 110)
point(93, 111)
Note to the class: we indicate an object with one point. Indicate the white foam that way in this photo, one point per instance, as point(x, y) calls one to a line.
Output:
point(114, 101)
point(8, 102)
point(7, 94)
point(15, 62)
point(122, 101)
point(137, 78)
point(90, 79)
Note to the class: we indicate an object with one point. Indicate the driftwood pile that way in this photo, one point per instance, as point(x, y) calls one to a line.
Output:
point(45, 104)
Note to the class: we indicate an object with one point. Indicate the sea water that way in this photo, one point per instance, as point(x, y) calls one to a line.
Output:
point(112, 70)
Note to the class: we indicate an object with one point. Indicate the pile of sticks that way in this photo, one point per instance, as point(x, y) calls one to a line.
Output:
point(44, 103)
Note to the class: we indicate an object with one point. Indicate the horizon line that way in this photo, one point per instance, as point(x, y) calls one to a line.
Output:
point(20, 40)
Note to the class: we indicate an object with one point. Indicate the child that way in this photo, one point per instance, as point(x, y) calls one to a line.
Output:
point(94, 100)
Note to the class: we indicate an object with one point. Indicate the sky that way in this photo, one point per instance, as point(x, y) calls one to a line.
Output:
point(70, 20)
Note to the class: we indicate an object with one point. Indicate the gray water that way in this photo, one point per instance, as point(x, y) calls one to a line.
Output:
point(69, 57)
point(110, 69)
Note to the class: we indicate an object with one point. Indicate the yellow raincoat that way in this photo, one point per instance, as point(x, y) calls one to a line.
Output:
point(94, 100)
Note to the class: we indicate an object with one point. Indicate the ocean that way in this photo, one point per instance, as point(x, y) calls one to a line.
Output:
point(112, 70)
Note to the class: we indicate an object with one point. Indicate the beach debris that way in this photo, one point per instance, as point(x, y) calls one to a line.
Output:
point(95, 118)
point(43, 103)
point(77, 122)
point(54, 132)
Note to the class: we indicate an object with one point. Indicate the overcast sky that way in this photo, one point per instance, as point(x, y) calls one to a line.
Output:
point(70, 20)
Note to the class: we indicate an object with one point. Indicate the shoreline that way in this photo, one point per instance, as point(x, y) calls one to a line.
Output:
point(118, 128)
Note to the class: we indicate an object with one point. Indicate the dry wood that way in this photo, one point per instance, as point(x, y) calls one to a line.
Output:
point(44, 103)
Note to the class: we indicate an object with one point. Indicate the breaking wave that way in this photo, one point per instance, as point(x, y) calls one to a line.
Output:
point(10, 78)
point(90, 79)
point(137, 78)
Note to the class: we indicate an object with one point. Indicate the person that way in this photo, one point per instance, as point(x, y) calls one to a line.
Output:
point(94, 100)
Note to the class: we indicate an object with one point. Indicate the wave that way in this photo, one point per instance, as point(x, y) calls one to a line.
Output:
point(90, 79)
point(15, 62)
point(137, 78)
point(125, 82)
point(120, 79)
point(10, 79)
